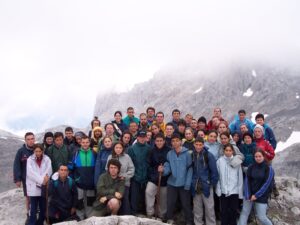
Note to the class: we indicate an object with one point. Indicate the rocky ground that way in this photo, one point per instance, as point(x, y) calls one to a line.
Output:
point(283, 210)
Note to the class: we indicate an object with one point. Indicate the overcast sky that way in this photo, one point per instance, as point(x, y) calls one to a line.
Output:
point(56, 56)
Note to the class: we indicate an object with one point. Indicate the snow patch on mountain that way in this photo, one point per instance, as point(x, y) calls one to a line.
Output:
point(198, 90)
point(293, 139)
point(254, 73)
point(248, 93)
point(297, 96)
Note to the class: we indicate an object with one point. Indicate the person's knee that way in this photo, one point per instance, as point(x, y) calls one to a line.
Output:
point(113, 204)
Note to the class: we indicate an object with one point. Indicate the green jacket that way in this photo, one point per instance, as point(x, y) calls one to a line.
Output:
point(107, 187)
point(139, 154)
point(59, 156)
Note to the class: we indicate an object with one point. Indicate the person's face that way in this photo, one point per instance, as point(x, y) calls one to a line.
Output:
point(38, 152)
point(97, 133)
point(201, 125)
point(228, 152)
point(142, 139)
point(217, 112)
point(242, 116)
point(59, 141)
point(236, 138)
point(150, 113)
point(188, 119)
point(243, 128)
point(133, 127)
point(212, 137)
point(109, 130)
point(201, 134)
point(247, 140)
point(78, 140)
point(222, 128)
point(224, 139)
point(176, 143)
point(113, 170)
point(149, 135)
point(49, 140)
point(181, 128)
point(176, 116)
point(260, 121)
point(215, 122)
point(63, 172)
point(194, 124)
point(85, 143)
point(118, 117)
point(118, 149)
point(259, 158)
point(159, 142)
point(169, 131)
point(258, 133)
point(126, 139)
point(159, 118)
point(188, 135)
point(107, 143)
point(130, 113)
point(198, 146)
point(69, 134)
point(155, 130)
point(96, 123)
point(29, 140)
point(143, 120)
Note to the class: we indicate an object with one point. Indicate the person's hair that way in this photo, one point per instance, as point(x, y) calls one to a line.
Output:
point(143, 114)
point(160, 112)
point(197, 131)
point(131, 122)
point(247, 134)
point(150, 108)
point(95, 119)
point(113, 153)
point(202, 119)
point(105, 137)
point(105, 126)
point(230, 146)
point(159, 135)
point(170, 124)
point(199, 139)
point(212, 131)
point(129, 108)
point(28, 134)
point(259, 150)
point(58, 134)
point(35, 146)
point(118, 112)
point(126, 132)
point(190, 129)
point(61, 164)
point(218, 108)
point(241, 111)
point(223, 122)
point(154, 125)
point(225, 134)
point(243, 124)
point(189, 115)
point(175, 110)
point(182, 122)
point(69, 129)
point(194, 120)
point(85, 137)
point(114, 162)
point(259, 116)
point(175, 135)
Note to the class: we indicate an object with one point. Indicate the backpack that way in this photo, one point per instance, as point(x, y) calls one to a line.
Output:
point(70, 182)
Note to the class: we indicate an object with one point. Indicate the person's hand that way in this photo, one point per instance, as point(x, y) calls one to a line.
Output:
point(118, 195)
point(122, 178)
point(103, 199)
point(46, 179)
point(160, 169)
point(253, 198)
point(18, 184)
point(73, 211)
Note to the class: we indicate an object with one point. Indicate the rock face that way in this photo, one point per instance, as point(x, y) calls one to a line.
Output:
point(257, 88)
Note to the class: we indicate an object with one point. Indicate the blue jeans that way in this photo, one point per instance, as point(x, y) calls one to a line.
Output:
point(260, 211)
point(36, 202)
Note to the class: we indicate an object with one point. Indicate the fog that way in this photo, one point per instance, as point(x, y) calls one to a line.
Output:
point(56, 56)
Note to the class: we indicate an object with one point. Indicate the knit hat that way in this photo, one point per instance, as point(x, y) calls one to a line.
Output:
point(202, 119)
point(97, 128)
point(79, 134)
point(257, 126)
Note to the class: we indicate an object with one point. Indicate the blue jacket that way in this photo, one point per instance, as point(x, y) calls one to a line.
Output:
point(269, 136)
point(204, 171)
point(127, 120)
point(248, 152)
point(213, 148)
point(234, 126)
point(101, 161)
point(180, 169)
point(20, 163)
point(259, 182)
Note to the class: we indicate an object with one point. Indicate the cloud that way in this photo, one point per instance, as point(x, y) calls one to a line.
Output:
point(57, 56)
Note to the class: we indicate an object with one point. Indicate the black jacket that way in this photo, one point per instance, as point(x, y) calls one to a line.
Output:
point(20, 163)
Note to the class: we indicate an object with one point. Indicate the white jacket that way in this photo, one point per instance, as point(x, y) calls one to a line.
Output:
point(230, 178)
point(35, 174)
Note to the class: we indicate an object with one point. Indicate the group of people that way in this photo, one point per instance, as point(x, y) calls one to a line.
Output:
point(145, 166)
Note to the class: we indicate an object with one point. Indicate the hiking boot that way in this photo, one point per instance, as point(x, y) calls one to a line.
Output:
point(171, 222)
point(27, 219)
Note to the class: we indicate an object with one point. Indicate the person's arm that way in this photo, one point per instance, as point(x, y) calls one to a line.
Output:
point(189, 174)
point(218, 187)
point(74, 194)
point(130, 170)
point(271, 137)
point(238, 158)
point(214, 175)
point(240, 182)
point(167, 166)
point(266, 184)
point(33, 174)
point(269, 151)
point(18, 168)
point(97, 169)
point(103, 190)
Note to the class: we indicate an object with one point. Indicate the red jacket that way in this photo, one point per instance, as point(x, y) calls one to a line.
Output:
point(266, 147)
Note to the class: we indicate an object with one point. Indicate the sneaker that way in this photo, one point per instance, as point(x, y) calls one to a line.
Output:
point(170, 222)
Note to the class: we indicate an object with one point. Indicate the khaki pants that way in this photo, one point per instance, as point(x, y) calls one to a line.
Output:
point(150, 193)
point(199, 200)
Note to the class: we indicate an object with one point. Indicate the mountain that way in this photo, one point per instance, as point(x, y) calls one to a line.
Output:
point(256, 88)
point(9, 144)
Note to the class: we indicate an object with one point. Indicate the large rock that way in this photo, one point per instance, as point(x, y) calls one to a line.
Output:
point(114, 220)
